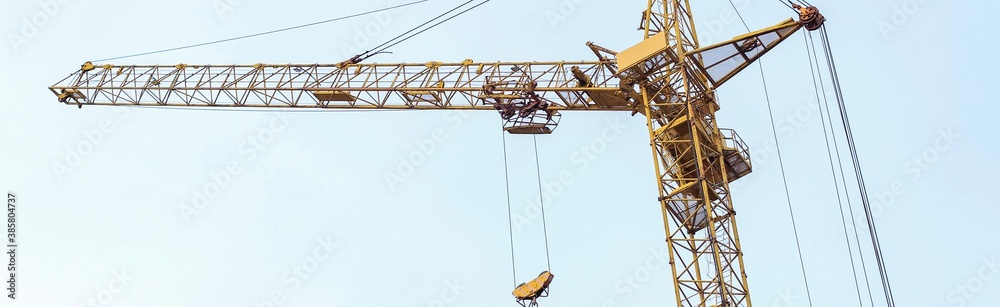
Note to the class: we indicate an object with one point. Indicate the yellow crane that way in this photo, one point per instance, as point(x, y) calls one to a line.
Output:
point(668, 77)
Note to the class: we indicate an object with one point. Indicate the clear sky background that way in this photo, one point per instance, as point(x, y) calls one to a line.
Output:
point(307, 217)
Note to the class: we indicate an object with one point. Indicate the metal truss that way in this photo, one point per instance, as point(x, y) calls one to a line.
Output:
point(695, 160)
point(667, 77)
point(432, 85)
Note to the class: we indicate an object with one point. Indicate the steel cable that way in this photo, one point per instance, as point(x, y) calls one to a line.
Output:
point(369, 52)
point(781, 165)
point(819, 87)
point(510, 220)
point(873, 232)
point(431, 27)
point(261, 33)
point(541, 203)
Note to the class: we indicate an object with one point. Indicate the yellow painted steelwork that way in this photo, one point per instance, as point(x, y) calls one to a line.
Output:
point(667, 77)
point(528, 293)
point(87, 66)
point(642, 52)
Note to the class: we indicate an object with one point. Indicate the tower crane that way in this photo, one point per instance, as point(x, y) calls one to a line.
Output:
point(668, 77)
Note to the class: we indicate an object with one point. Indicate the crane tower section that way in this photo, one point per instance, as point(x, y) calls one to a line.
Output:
point(694, 159)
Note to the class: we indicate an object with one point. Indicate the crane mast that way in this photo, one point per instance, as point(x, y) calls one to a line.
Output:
point(694, 163)
point(668, 77)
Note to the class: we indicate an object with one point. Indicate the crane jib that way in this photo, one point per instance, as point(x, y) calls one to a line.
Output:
point(668, 78)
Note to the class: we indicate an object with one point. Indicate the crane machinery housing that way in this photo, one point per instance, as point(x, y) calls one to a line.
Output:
point(668, 77)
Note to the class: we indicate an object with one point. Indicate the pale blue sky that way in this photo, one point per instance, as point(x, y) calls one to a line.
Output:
point(441, 235)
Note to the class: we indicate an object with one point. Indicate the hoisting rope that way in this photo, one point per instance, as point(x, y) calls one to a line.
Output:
point(821, 101)
point(781, 164)
point(541, 203)
point(510, 220)
point(510, 225)
point(873, 233)
point(261, 33)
